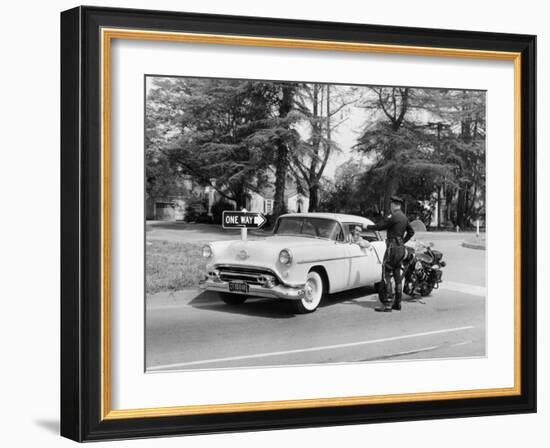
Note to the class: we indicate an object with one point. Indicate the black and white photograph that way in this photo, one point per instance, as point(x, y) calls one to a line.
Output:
point(299, 223)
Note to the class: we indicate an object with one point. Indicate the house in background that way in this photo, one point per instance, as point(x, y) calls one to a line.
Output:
point(263, 201)
point(168, 208)
point(297, 202)
point(201, 198)
point(174, 207)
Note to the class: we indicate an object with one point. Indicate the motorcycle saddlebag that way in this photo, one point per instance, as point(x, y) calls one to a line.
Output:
point(436, 275)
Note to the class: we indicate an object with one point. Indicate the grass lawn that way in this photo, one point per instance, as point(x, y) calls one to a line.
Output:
point(172, 266)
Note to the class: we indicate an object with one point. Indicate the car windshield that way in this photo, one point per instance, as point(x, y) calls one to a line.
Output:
point(309, 227)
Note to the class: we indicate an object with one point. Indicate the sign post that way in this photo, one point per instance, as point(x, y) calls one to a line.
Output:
point(242, 220)
point(244, 230)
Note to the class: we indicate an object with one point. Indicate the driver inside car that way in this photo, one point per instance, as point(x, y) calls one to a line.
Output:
point(356, 238)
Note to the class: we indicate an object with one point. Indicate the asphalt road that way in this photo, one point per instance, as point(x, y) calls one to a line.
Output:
point(195, 330)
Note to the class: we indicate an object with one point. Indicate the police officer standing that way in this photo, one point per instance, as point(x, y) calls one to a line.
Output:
point(398, 232)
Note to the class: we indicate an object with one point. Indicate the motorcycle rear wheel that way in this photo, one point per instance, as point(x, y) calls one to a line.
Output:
point(426, 289)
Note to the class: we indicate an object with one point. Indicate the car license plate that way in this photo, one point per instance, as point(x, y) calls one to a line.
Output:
point(238, 287)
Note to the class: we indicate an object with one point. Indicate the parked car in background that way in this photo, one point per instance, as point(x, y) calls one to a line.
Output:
point(308, 256)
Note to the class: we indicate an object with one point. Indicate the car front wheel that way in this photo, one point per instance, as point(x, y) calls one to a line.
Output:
point(314, 290)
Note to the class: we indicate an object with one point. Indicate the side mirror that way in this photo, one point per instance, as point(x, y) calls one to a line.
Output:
point(431, 244)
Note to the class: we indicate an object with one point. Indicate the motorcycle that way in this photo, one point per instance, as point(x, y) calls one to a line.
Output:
point(422, 269)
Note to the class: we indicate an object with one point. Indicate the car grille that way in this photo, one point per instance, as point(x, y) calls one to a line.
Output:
point(249, 275)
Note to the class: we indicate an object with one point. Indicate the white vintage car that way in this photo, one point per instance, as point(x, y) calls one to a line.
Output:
point(307, 256)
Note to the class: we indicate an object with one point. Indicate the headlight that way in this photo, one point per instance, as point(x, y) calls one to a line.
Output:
point(207, 251)
point(418, 266)
point(285, 257)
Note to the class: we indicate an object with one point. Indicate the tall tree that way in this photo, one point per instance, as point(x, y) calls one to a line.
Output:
point(397, 146)
point(161, 129)
point(421, 145)
point(344, 194)
point(283, 148)
point(386, 138)
point(460, 130)
point(216, 125)
point(320, 104)
point(278, 138)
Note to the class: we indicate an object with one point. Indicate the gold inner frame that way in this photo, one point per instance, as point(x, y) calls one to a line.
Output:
point(107, 35)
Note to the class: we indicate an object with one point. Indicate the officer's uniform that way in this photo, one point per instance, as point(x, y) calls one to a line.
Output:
point(398, 232)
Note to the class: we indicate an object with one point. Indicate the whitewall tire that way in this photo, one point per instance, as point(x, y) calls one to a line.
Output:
point(314, 291)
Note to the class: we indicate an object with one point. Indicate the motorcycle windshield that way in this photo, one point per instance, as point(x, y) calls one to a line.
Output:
point(425, 258)
point(437, 255)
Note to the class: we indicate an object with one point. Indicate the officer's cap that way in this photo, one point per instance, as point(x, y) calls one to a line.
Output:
point(397, 200)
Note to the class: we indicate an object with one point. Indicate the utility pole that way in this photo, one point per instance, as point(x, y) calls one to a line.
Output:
point(441, 190)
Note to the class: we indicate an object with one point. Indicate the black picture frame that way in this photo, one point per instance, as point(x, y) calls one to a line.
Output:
point(81, 224)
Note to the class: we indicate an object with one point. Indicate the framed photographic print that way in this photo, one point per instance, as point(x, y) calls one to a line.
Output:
point(276, 224)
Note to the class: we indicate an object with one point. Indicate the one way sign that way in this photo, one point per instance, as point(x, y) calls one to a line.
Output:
point(242, 220)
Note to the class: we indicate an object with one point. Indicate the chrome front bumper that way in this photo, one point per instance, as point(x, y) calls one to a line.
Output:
point(275, 292)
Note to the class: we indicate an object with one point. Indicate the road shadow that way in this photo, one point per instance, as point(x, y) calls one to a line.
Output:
point(255, 306)
point(352, 297)
point(283, 309)
point(363, 297)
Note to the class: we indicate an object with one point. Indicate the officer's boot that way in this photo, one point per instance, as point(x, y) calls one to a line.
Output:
point(398, 292)
point(386, 306)
point(397, 303)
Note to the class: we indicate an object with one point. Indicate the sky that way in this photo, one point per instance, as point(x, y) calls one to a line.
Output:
point(346, 137)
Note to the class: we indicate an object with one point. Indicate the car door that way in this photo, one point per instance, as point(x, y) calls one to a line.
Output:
point(338, 268)
point(330, 251)
point(365, 263)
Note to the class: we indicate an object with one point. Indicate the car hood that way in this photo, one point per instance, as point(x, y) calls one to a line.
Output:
point(294, 240)
point(265, 252)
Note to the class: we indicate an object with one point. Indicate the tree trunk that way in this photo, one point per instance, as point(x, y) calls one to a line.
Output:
point(313, 198)
point(313, 186)
point(460, 218)
point(391, 189)
point(449, 194)
point(466, 211)
point(279, 205)
point(282, 163)
point(472, 203)
point(239, 195)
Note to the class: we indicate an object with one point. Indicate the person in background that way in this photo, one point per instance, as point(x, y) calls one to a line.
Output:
point(398, 232)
